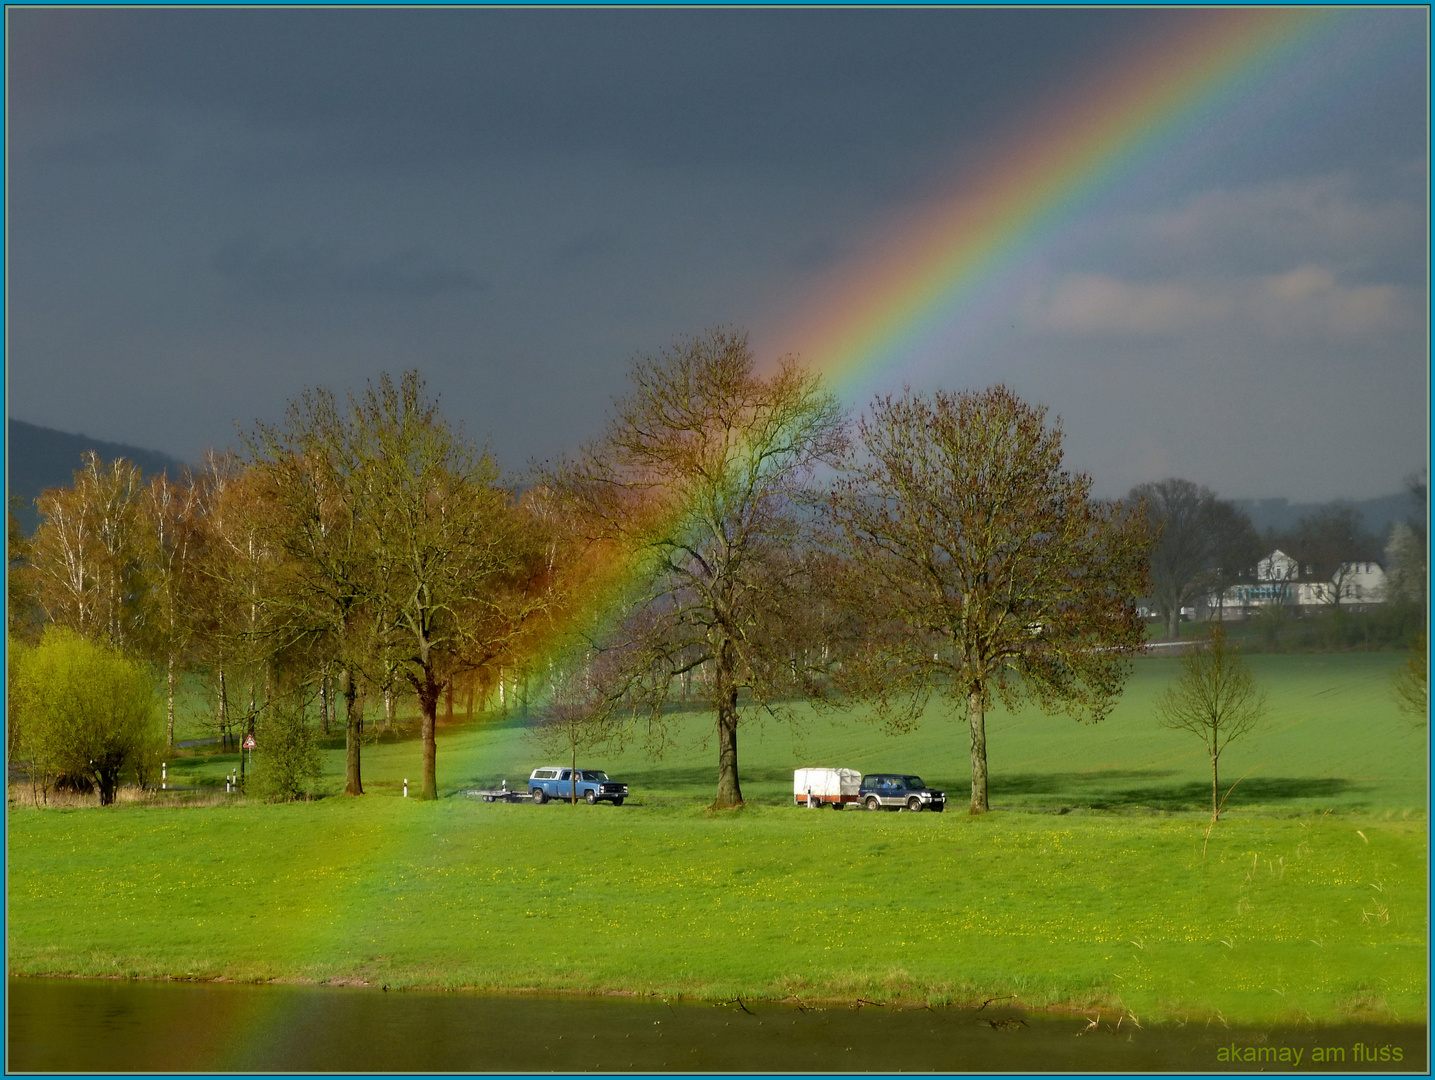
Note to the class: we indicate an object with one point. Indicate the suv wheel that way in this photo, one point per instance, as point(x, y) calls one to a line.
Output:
point(592, 797)
point(914, 804)
point(872, 803)
point(539, 796)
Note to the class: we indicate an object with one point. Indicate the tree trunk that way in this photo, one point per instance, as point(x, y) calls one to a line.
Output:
point(977, 716)
point(324, 703)
point(1173, 622)
point(729, 791)
point(108, 781)
point(169, 704)
point(1215, 789)
point(388, 696)
point(428, 704)
point(223, 711)
point(353, 781)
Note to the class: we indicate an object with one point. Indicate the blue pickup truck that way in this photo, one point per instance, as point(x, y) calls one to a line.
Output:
point(594, 786)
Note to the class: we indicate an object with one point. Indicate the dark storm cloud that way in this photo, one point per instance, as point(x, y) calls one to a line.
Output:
point(212, 208)
point(593, 244)
point(852, 89)
point(298, 268)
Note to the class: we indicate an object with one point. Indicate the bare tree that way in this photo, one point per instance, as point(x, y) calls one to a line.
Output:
point(981, 565)
point(693, 491)
point(1215, 698)
point(87, 553)
point(1203, 544)
point(580, 718)
point(173, 515)
point(1327, 545)
point(453, 559)
point(317, 475)
point(236, 570)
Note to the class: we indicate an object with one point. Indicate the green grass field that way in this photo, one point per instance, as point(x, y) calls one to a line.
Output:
point(1085, 887)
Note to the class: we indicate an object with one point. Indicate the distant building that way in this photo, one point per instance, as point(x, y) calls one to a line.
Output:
point(1279, 580)
point(1357, 583)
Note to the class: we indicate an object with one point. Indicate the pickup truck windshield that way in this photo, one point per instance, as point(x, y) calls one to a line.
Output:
point(594, 774)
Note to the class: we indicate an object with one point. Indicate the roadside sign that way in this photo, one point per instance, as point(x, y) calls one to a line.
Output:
point(249, 742)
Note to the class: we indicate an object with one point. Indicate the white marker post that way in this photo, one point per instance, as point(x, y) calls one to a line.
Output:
point(164, 776)
point(406, 787)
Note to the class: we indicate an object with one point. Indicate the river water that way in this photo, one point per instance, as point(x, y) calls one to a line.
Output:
point(115, 1026)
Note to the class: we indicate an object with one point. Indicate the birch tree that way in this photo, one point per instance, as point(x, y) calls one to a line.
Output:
point(87, 554)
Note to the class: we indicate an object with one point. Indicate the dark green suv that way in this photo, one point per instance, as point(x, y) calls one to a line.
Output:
point(899, 791)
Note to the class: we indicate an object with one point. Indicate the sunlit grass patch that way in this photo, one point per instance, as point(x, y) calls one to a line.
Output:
point(1310, 902)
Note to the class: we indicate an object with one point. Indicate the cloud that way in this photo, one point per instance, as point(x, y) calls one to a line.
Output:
point(1098, 304)
point(305, 267)
point(1268, 227)
point(591, 244)
point(1301, 302)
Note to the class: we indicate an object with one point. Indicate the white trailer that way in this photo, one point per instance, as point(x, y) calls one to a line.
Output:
point(835, 787)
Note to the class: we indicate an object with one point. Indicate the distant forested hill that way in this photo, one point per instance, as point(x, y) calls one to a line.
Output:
point(39, 457)
point(1282, 515)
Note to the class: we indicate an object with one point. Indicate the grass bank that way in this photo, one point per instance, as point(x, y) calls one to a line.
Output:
point(1309, 905)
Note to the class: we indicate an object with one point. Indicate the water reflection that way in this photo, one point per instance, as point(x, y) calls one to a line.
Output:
point(112, 1026)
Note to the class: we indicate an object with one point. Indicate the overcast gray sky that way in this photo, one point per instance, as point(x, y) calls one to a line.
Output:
point(211, 209)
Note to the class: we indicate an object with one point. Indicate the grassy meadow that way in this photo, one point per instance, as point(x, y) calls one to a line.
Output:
point(1086, 887)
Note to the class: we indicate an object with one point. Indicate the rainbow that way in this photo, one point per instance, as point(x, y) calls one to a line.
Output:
point(917, 301)
point(914, 302)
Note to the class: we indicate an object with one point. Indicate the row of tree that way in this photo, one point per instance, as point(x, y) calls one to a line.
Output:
point(730, 538)
point(366, 544)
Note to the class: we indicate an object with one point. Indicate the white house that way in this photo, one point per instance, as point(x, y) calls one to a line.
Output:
point(1279, 581)
point(1356, 583)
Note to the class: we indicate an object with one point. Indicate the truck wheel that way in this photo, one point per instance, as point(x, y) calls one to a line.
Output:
point(618, 801)
point(592, 798)
point(872, 803)
point(914, 804)
point(539, 796)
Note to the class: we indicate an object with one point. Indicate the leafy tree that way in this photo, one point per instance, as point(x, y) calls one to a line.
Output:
point(81, 708)
point(1405, 566)
point(981, 565)
point(694, 492)
point(1412, 682)
point(1202, 545)
point(288, 762)
point(1215, 698)
point(21, 615)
